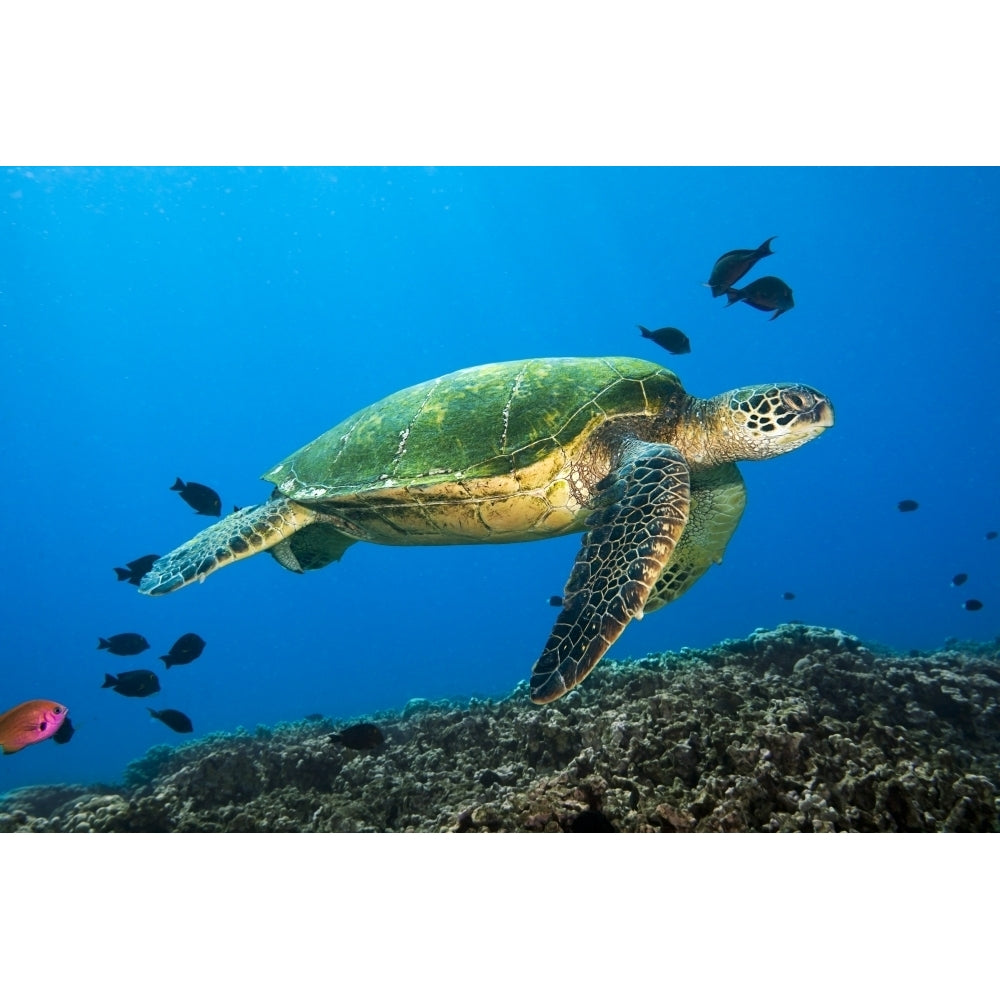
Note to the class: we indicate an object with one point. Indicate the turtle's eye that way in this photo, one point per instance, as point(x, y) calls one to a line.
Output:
point(796, 400)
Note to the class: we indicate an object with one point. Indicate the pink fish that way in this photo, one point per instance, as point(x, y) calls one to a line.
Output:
point(29, 723)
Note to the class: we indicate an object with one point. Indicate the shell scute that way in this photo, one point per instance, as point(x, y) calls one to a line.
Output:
point(477, 423)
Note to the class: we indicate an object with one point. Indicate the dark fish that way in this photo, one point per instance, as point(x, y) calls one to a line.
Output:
point(363, 736)
point(990, 535)
point(136, 570)
point(124, 644)
point(973, 605)
point(203, 499)
point(907, 505)
point(731, 266)
point(133, 683)
point(30, 722)
point(788, 595)
point(187, 648)
point(556, 601)
point(764, 294)
point(177, 721)
point(236, 509)
point(65, 732)
point(958, 579)
point(315, 717)
point(591, 821)
point(669, 338)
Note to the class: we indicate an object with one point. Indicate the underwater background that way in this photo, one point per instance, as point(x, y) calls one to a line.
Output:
point(205, 323)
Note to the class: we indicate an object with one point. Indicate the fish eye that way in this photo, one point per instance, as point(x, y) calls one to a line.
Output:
point(58, 710)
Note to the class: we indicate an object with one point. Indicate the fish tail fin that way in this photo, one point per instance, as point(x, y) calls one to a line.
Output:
point(764, 250)
point(643, 330)
point(123, 574)
point(179, 485)
point(734, 295)
point(153, 712)
point(103, 643)
point(166, 660)
point(109, 681)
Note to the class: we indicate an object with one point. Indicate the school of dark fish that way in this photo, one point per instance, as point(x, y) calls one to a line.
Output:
point(768, 294)
point(959, 579)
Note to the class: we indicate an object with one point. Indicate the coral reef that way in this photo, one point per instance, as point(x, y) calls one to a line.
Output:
point(793, 729)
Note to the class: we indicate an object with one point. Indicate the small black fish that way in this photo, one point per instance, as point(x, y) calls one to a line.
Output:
point(136, 570)
point(591, 821)
point(203, 499)
point(907, 505)
point(973, 605)
point(669, 338)
point(124, 644)
point(990, 535)
point(133, 683)
point(65, 732)
point(363, 736)
point(731, 266)
point(177, 721)
point(556, 601)
point(958, 579)
point(236, 509)
point(764, 294)
point(788, 595)
point(187, 648)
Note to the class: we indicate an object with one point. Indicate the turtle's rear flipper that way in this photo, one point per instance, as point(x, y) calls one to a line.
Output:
point(313, 547)
point(243, 533)
point(628, 542)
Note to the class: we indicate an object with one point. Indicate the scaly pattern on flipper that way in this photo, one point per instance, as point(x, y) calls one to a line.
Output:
point(629, 541)
point(243, 533)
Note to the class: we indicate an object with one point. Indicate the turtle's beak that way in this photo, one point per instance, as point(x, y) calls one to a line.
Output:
point(822, 413)
point(812, 407)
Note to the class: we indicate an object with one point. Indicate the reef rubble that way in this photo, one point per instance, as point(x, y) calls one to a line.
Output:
point(797, 728)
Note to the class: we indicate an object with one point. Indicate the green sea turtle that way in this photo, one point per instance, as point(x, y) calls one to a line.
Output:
point(523, 450)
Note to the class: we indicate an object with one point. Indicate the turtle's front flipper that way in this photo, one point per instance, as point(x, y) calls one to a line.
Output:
point(628, 542)
point(243, 533)
point(718, 497)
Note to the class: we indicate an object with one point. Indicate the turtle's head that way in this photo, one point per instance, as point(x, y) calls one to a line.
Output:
point(759, 421)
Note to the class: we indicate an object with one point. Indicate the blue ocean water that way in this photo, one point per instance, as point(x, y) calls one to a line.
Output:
point(205, 323)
